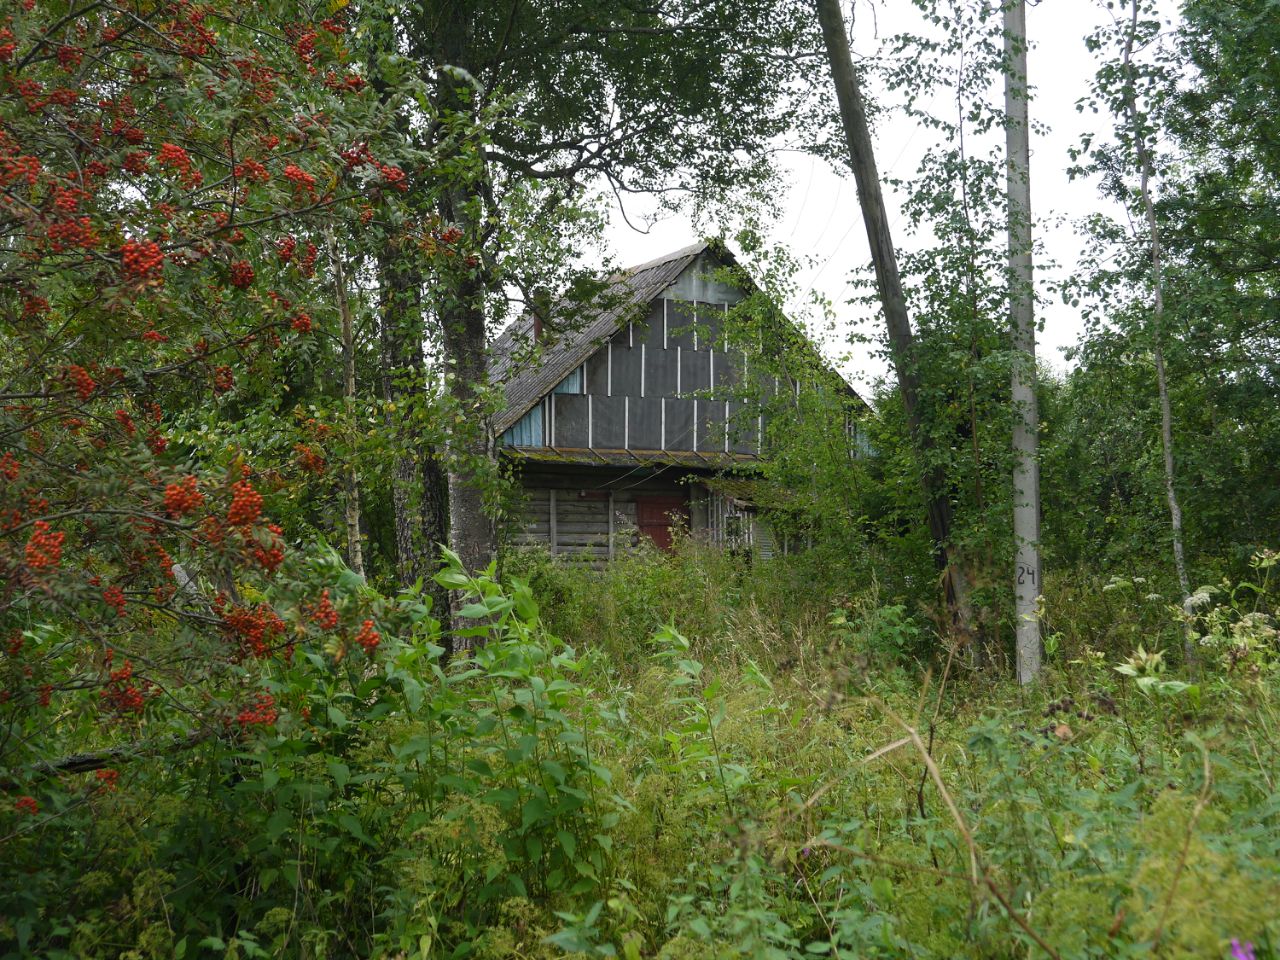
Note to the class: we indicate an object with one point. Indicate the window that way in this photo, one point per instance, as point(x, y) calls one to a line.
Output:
point(575, 382)
point(527, 431)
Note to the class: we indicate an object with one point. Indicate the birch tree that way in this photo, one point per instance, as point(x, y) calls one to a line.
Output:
point(1146, 172)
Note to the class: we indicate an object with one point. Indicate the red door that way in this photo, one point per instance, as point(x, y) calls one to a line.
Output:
point(656, 515)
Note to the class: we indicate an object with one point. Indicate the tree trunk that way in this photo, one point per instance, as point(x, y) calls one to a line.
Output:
point(351, 481)
point(418, 492)
point(894, 303)
point(1146, 173)
point(461, 308)
point(471, 455)
point(1026, 422)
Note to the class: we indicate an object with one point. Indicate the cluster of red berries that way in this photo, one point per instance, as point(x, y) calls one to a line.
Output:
point(107, 778)
point(81, 380)
point(193, 38)
point(26, 806)
point(241, 274)
point(352, 81)
point(182, 497)
point(69, 57)
point(136, 163)
point(307, 264)
point(15, 167)
point(246, 504)
point(394, 177)
point(223, 379)
point(154, 336)
point(68, 199)
point(44, 549)
point(269, 555)
point(324, 615)
point(305, 46)
point(178, 160)
point(35, 306)
point(285, 250)
point(261, 713)
point(113, 596)
point(126, 422)
point(72, 234)
point(157, 442)
point(253, 629)
point(300, 178)
point(368, 637)
point(301, 322)
point(141, 259)
point(9, 466)
point(309, 459)
point(252, 170)
point(7, 45)
point(121, 694)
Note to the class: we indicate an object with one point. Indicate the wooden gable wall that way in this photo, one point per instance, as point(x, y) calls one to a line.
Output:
point(664, 381)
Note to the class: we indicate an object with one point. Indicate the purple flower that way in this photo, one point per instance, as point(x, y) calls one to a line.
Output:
point(806, 851)
point(1242, 951)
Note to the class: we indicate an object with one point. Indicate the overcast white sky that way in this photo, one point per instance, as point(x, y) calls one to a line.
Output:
point(821, 222)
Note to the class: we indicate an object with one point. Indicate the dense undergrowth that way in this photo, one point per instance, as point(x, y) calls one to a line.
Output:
point(689, 757)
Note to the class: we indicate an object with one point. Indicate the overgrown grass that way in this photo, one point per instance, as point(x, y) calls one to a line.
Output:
point(724, 761)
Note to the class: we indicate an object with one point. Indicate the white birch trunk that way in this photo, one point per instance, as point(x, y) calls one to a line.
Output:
point(1147, 172)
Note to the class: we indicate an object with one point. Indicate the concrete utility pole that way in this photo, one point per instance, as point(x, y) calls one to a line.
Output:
point(1026, 414)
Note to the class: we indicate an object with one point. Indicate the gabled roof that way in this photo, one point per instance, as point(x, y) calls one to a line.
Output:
point(527, 370)
point(527, 375)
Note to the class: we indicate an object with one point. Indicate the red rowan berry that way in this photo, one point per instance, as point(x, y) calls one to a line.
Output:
point(126, 422)
point(241, 274)
point(26, 805)
point(246, 504)
point(9, 466)
point(141, 259)
point(182, 497)
point(305, 46)
point(368, 637)
point(307, 265)
point(44, 549)
point(285, 250)
point(113, 597)
point(324, 615)
point(252, 170)
point(107, 779)
point(301, 323)
point(81, 380)
point(261, 713)
point(136, 163)
point(300, 178)
point(69, 57)
point(223, 379)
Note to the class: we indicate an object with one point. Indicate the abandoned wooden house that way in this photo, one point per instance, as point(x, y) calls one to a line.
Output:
point(630, 420)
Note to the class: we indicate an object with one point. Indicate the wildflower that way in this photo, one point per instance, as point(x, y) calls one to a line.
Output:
point(1242, 951)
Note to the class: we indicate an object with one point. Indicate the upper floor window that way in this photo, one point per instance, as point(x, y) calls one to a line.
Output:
point(575, 382)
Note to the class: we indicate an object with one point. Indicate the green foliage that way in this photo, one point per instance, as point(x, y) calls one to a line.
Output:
point(745, 788)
